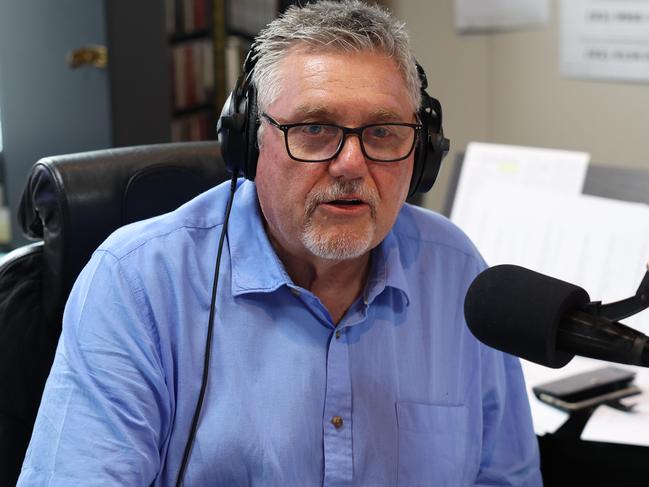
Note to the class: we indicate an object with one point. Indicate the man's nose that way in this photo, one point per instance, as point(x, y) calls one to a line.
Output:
point(350, 162)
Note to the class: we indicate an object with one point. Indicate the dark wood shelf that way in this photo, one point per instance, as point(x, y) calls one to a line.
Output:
point(189, 36)
point(240, 33)
point(206, 107)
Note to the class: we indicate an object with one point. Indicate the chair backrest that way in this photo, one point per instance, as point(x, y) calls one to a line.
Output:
point(72, 203)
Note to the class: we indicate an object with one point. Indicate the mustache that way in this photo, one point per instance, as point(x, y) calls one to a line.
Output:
point(342, 189)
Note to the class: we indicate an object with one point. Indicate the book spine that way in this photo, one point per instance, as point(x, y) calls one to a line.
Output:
point(188, 16)
point(179, 79)
point(200, 14)
point(199, 64)
point(208, 69)
point(190, 83)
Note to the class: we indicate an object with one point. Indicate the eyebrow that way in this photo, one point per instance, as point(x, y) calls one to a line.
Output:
point(386, 115)
point(321, 112)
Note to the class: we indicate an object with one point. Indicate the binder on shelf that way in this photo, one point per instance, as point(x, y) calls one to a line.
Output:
point(201, 15)
point(179, 91)
point(192, 66)
point(208, 70)
point(188, 16)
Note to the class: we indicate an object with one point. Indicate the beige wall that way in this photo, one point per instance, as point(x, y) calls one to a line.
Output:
point(506, 88)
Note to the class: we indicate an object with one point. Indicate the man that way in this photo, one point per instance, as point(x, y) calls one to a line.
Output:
point(340, 355)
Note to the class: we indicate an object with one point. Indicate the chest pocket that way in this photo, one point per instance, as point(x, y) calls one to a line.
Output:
point(436, 447)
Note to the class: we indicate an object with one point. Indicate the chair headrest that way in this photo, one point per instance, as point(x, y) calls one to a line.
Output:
point(74, 201)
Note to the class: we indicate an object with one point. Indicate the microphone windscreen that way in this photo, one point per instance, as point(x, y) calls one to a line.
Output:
point(518, 311)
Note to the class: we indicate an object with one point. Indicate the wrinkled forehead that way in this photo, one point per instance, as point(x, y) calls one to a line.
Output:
point(277, 85)
point(331, 85)
point(353, 57)
point(303, 47)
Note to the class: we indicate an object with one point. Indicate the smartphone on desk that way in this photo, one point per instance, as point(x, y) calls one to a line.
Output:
point(588, 389)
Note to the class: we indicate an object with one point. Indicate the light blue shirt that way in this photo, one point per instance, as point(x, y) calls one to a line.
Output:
point(416, 399)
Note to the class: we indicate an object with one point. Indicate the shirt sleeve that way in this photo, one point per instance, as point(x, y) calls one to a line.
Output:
point(105, 410)
point(510, 453)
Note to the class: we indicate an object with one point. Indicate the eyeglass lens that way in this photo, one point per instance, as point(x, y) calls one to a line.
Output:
point(317, 142)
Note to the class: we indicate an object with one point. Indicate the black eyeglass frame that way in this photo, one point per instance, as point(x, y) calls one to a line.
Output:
point(285, 127)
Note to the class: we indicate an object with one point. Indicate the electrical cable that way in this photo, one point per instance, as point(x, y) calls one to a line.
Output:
point(208, 340)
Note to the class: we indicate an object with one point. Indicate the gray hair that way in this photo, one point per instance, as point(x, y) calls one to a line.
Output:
point(347, 26)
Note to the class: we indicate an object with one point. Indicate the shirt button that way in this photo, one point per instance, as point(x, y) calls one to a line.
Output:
point(296, 292)
point(337, 337)
point(337, 421)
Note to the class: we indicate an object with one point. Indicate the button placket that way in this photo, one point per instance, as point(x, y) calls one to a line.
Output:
point(337, 420)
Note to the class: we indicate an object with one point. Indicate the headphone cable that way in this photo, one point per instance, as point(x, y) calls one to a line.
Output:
point(208, 340)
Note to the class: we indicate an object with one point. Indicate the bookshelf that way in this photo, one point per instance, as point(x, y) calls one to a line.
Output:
point(208, 41)
point(192, 29)
point(244, 19)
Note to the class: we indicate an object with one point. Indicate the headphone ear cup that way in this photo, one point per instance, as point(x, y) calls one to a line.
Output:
point(432, 146)
point(238, 123)
point(430, 163)
point(230, 134)
point(224, 128)
point(237, 132)
point(421, 154)
point(250, 133)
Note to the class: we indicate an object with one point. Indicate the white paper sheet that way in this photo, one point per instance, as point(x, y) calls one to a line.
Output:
point(500, 14)
point(485, 165)
point(605, 39)
point(614, 426)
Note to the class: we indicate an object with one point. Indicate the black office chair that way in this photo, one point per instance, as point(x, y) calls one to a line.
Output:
point(71, 203)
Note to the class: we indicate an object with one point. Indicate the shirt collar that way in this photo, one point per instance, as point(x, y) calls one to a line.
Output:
point(387, 270)
point(257, 268)
point(255, 265)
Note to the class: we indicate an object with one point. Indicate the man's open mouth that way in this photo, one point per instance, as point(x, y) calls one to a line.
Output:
point(346, 202)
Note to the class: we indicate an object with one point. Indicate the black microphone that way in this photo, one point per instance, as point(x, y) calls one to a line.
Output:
point(549, 321)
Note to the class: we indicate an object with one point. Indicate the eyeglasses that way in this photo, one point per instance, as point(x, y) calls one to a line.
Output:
point(320, 142)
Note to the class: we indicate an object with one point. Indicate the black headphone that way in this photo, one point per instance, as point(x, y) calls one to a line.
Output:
point(239, 121)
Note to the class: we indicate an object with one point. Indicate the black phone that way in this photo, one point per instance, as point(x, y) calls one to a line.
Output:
point(587, 389)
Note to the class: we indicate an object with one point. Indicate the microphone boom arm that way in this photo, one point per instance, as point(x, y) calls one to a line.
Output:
point(624, 308)
point(603, 339)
